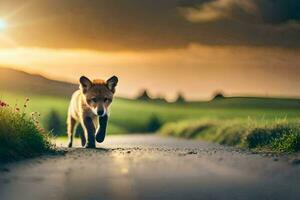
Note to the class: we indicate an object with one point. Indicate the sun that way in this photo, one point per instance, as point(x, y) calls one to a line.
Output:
point(3, 25)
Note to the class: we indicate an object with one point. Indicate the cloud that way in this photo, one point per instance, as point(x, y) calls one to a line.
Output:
point(274, 12)
point(219, 9)
point(136, 25)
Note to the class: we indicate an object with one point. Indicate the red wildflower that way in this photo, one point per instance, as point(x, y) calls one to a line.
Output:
point(3, 104)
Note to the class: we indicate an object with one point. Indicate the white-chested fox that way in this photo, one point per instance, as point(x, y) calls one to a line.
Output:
point(89, 107)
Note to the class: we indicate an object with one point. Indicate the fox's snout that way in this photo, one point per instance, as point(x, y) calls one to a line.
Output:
point(102, 112)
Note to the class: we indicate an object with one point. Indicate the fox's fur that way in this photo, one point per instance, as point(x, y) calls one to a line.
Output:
point(89, 107)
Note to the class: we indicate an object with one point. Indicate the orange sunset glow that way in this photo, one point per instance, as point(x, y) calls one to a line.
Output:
point(190, 50)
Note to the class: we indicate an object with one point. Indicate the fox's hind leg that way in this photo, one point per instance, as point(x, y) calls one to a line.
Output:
point(80, 131)
point(83, 139)
point(71, 126)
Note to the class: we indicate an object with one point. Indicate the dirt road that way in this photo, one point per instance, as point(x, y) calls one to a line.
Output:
point(152, 167)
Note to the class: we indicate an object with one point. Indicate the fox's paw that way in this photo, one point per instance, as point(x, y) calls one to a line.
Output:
point(90, 146)
point(100, 137)
point(70, 145)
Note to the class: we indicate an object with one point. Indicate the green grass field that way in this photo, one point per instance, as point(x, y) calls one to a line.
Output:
point(134, 116)
point(131, 116)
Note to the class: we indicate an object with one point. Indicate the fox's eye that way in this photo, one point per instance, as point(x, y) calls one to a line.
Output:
point(94, 100)
point(107, 100)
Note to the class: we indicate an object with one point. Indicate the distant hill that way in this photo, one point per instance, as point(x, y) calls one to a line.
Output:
point(18, 81)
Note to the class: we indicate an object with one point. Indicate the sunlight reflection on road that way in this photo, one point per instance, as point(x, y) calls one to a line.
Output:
point(122, 185)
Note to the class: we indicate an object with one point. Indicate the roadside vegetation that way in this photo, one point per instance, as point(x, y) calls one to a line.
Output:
point(20, 133)
point(259, 135)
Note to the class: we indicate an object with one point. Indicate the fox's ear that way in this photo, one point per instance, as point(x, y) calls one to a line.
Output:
point(112, 83)
point(85, 83)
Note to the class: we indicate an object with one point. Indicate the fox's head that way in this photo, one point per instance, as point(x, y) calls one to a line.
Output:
point(98, 94)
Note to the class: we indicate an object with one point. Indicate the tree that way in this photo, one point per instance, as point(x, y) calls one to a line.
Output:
point(54, 123)
point(180, 98)
point(218, 96)
point(144, 96)
point(154, 124)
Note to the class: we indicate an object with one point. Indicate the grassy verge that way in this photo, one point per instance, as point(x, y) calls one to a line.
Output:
point(20, 135)
point(260, 135)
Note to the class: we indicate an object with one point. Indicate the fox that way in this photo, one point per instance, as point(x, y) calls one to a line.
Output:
point(89, 106)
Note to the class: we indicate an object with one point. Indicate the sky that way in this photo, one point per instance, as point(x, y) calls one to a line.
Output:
point(197, 47)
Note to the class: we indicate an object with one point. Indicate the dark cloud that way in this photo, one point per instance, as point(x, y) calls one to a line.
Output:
point(148, 24)
point(255, 11)
point(278, 11)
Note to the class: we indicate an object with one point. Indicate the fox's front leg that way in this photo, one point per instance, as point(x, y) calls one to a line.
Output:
point(100, 135)
point(89, 131)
